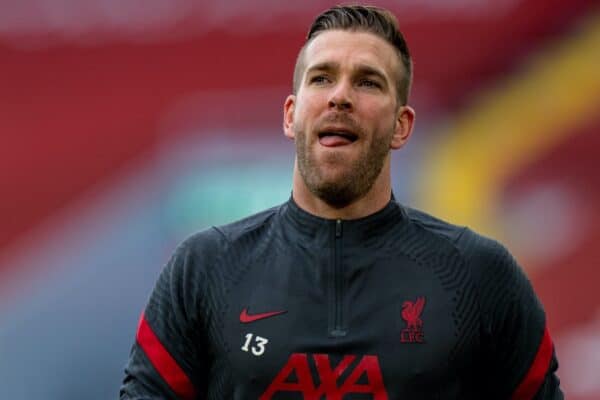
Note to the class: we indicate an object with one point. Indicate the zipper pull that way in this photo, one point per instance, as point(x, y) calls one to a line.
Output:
point(338, 228)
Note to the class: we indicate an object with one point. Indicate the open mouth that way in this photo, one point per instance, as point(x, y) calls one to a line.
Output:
point(337, 138)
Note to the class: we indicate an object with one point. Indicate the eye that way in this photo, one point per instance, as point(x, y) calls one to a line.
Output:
point(369, 83)
point(319, 79)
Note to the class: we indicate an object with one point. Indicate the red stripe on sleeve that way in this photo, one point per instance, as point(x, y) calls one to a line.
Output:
point(164, 363)
point(530, 385)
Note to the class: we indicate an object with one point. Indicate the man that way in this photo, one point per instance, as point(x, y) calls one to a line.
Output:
point(341, 293)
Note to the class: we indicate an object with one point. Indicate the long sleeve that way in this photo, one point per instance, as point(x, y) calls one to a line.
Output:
point(169, 359)
point(518, 353)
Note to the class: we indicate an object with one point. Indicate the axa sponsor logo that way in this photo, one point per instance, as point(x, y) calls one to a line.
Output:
point(295, 377)
point(411, 314)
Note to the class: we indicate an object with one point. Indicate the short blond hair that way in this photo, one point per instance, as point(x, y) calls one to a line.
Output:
point(376, 20)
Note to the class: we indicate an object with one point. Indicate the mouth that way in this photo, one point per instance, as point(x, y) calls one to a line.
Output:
point(335, 138)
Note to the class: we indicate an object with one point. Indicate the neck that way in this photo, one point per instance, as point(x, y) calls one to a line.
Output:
point(374, 200)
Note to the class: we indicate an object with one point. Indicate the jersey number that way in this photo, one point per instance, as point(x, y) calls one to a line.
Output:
point(258, 344)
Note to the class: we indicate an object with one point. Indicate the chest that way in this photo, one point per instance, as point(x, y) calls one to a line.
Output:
point(343, 323)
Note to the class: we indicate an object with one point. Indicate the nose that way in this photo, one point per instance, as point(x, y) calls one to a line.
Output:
point(341, 97)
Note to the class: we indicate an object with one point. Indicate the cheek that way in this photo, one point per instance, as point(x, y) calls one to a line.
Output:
point(305, 113)
point(312, 100)
point(377, 107)
point(379, 117)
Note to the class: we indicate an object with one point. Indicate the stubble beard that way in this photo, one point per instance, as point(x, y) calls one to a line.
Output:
point(359, 176)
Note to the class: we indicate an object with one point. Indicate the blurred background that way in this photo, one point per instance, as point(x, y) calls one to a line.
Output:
point(125, 126)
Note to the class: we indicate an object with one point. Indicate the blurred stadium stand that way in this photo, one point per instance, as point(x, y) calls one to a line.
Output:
point(125, 126)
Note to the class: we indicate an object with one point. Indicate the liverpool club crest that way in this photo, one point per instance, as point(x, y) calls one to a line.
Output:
point(411, 314)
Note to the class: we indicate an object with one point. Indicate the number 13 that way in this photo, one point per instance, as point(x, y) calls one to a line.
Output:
point(258, 348)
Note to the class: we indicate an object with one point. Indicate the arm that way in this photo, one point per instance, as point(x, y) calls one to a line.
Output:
point(518, 352)
point(168, 359)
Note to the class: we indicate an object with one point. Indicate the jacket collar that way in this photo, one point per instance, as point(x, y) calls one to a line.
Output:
point(323, 232)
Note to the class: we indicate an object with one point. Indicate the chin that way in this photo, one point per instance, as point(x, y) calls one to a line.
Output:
point(338, 191)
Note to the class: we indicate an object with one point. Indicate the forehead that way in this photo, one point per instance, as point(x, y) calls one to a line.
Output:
point(350, 49)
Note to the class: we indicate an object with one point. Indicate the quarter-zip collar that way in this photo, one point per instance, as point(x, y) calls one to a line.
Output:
point(317, 231)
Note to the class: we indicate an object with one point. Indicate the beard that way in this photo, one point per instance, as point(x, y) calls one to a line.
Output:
point(358, 174)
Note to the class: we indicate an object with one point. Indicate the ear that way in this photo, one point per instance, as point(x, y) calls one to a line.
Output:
point(405, 120)
point(288, 116)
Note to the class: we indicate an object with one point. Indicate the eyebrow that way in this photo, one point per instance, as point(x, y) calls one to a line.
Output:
point(324, 66)
point(363, 69)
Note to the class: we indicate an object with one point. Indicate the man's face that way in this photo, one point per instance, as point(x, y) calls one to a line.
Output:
point(344, 117)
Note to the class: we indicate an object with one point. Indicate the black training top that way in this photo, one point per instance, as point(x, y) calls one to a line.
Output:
point(396, 305)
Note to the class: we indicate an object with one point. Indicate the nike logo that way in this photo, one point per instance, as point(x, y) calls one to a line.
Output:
point(246, 318)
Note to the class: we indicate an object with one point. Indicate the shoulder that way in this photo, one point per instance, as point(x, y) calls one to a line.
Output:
point(488, 262)
point(234, 230)
point(433, 226)
point(474, 248)
point(203, 244)
point(199, 252)
point(491, 263)
point(219, 237)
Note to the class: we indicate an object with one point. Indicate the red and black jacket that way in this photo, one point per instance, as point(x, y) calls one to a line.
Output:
point(396, 305)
